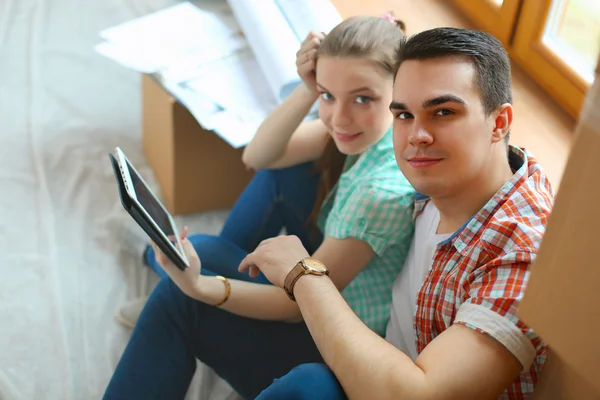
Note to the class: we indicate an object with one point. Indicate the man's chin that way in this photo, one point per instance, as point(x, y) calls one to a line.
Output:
point(426, 187)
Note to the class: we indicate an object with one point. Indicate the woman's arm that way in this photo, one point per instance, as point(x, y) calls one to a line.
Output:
point(347, 249)
point(283, 140)
point(345, 259)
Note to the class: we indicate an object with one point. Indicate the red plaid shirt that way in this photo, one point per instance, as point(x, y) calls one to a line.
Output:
point(479, 274)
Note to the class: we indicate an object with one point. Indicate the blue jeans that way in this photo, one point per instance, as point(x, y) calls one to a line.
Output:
point(173, 329)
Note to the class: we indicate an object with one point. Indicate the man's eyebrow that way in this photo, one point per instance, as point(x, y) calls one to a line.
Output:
point(436, 101)
point(396, 106)
point(447, 98)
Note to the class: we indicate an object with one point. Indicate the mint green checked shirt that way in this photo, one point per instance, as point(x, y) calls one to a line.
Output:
point(373, 202)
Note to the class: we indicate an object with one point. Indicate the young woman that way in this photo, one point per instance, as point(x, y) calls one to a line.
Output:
point(332, 182)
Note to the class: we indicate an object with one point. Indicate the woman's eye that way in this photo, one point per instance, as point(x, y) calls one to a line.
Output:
point(326, 96)
point(404, 115)
point(443, 112)
point(363, 100)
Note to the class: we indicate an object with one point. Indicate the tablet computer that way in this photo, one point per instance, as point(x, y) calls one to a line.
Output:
point(147, 210)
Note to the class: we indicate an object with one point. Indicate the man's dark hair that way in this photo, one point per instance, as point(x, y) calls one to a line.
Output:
point(492, 65)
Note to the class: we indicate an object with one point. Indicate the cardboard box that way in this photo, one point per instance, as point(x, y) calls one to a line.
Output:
point(197, 170)
point(562, 300)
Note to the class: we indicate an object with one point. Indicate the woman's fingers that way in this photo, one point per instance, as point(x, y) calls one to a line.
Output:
point(315, 43)
point(306, 61)
point(183, 233)
point(311, 42)
point(310, 45)
point(188, 247)
point(158, 254)
point(315, 34)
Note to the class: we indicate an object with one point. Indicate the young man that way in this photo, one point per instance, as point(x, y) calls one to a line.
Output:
point(480, 216)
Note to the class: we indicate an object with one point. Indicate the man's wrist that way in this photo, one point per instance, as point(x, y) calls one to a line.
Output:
point(309, 283)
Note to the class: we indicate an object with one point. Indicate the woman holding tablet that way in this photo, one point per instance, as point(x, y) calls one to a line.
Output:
point(333, 183)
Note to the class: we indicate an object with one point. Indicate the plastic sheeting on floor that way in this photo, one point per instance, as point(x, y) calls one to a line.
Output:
point(69, 255)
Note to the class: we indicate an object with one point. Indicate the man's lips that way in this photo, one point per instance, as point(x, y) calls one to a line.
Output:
point(423, 162)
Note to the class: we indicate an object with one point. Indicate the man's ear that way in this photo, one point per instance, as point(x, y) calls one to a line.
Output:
point(502, 120)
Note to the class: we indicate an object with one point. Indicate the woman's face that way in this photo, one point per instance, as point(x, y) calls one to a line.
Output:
point(354, 102)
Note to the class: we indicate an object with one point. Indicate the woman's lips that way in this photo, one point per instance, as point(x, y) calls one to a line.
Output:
point(347, 137)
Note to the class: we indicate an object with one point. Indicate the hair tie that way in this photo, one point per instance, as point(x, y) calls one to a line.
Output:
point(389, 17)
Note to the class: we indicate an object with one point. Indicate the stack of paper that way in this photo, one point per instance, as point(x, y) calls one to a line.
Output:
point(229, 63)
point(174, 37)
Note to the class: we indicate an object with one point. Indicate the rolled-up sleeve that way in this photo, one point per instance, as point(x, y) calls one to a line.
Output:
point(493, 296)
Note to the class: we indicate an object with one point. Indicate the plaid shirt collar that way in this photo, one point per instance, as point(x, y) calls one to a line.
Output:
point(463, 237)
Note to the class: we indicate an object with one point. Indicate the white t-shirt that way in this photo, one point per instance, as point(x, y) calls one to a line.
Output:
point(400, 330)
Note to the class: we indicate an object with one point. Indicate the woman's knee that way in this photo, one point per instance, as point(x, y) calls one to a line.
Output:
point(299, 174)
point(313, 381)
point(166, 294)
point(166, 302)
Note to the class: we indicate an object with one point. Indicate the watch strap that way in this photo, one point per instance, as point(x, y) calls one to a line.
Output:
point(291, 279)
point(296, 273)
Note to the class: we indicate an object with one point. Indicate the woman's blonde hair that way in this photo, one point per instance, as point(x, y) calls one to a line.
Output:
point(363, 37)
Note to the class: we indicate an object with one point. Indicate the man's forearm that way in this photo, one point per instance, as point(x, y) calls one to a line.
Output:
point(365, 364)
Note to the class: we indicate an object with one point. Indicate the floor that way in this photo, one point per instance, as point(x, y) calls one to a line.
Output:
point(69, 255)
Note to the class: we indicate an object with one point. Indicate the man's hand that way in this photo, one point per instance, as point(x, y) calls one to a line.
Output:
point(275, 258)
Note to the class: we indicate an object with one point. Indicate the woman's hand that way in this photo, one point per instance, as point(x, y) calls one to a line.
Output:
point(306, 59)
point(186, 280)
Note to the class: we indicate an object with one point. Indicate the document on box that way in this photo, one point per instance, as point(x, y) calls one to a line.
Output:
point(238, 84)
point(276, 28)
point(237, 88)
point(228, 81)
point(182, 35)
point(304, 16)
point(272, 41)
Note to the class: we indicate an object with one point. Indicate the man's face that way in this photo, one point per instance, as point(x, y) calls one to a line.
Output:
point(442, 137)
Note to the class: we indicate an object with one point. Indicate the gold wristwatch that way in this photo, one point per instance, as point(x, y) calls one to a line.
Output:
point(306, 266)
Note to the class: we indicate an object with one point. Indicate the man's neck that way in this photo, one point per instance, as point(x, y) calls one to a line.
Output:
point(456, 210)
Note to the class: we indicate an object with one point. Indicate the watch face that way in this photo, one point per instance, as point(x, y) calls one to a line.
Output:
point(315, 265)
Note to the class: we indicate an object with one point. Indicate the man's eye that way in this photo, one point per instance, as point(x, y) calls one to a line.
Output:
point(403, 115)
point(444, 111)
point(363, 100)
point(326, 96)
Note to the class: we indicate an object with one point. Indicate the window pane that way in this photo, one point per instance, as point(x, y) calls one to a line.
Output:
point(573, 32)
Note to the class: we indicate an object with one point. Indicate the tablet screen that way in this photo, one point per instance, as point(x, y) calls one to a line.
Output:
point(148, 201)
